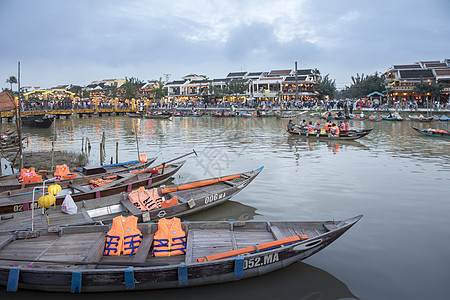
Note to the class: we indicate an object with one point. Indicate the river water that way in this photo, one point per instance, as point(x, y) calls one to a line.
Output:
point(397, 178)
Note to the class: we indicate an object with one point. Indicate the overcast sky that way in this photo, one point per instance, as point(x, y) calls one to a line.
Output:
point(77, 42)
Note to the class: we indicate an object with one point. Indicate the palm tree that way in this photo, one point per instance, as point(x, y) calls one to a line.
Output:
point(11, 80)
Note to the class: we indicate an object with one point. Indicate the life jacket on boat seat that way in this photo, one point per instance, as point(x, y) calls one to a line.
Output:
point(170, 239)
point(123, 237)
point(63, 172)
point(346, 126)
point(150, 199)
point(323, 131)
point(29, 176)
point(95, 183)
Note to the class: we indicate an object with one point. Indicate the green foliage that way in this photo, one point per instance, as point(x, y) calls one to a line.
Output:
point(131, 87)
point(433, 88)
point(11, 80)
point(326, 87)
point(363, 85)
point(160, 90)
point(236, 87)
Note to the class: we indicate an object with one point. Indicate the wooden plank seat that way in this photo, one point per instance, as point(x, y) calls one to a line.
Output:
point(83, 189)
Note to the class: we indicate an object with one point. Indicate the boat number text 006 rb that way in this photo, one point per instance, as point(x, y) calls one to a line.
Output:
point(214, 197)
point(261, 260)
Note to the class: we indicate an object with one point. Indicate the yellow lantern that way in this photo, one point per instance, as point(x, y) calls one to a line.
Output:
point(54, 189)
point(47, 200)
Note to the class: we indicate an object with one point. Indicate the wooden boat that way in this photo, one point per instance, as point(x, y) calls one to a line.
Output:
point(42, 121)
point(433, 132)
point(357, 117)
point(158, 116)
point(9, 140)
point(179, 200)
point(334, 117)
point(420, 118)
point(73, 260)
point(444, 118)
point(11, 182)
point(84, 189)
point(391, 118)
point(348, 135)
point(135, 115)
point(283, 115)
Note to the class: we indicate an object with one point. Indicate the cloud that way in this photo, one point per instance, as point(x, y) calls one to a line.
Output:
point(60, 42)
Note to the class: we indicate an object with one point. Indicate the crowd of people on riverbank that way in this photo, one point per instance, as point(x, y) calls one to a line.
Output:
point(348, 106)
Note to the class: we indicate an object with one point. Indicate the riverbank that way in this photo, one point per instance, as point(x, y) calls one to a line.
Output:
point(42, 160)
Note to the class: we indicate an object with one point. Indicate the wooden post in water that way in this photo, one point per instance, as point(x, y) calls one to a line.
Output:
point(19, 119)
point(117, 152)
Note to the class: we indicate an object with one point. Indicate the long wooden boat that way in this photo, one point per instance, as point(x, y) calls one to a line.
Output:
point(391, 118)
point(420, 118)
point(11, 181)
point(42, 121)
point(179, 200)
point(73, 260)
point(357, 117)
point(348, 135)
point(433, 132)
point(20, 200)
point(158, 116)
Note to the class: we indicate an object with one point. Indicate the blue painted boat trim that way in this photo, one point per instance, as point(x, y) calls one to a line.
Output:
point(182, 275)
point(13, 280)
point(238, 267)
point(76, 282)
point(129, 280)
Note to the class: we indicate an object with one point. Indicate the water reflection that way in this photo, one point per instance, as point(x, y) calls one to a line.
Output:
point(298, 281)
point(226, 211)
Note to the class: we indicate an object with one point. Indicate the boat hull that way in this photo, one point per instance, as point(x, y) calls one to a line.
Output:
point(170, 272)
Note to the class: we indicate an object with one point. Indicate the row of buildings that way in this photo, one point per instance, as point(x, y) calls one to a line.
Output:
point(282, 85)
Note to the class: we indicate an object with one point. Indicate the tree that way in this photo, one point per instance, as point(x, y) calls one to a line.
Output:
point(432, 88)
point(159, 90)
point(131, 87)
point(325, 87)
point(364, 85)
point(236, 87)
point(11, 80)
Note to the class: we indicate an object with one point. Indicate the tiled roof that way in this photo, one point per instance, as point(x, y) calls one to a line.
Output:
point(252, 74)
point(400, 67)
point(280, 72)
point(435, 65)
point(237, 74)
point(6, 101)
point(416, 74)
point(305, 72)
point(292, 78)
point(442, 72)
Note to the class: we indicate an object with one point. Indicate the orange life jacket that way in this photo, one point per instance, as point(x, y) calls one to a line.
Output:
point(346, 126)
point(63, 172)
point(334, 130)
point(95, 183)
point(29, 176)
point(150, 199)
point(170, 239)
point(124, 236)
point(327, 126)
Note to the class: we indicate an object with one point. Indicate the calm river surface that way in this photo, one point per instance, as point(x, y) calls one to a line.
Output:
point(397, 178)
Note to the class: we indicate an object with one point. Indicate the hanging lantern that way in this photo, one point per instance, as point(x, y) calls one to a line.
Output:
point(47, 200)
point(54, 189)
point(143, 158)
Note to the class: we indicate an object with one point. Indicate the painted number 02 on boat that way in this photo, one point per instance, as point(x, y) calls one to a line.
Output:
point(261, 260)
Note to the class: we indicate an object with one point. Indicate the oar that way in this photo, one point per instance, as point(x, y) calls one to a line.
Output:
point(193, 151)
point(104, 263)
point(166, 162)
